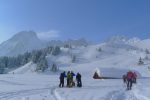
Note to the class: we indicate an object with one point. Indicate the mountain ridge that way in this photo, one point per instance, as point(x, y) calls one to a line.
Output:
point(20, 43)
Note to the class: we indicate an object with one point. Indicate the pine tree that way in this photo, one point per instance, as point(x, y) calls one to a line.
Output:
point(146, 57)
point(73, 59)
point(56, 50)
point(42, 65)
point(147, 51)
point(140, 61)
point(2, 68)
point(54, 68)
point(100, 49)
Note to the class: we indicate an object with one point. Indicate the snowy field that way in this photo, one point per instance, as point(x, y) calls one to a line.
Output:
point(45, 87)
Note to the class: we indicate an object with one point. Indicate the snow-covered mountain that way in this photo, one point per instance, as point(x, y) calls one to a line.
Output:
point(113, 58)
point(144, 44)
point(20, 43)
point(128, 43)
point(28, 40)
point(77, 42)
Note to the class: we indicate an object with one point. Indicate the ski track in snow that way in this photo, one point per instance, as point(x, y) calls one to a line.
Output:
point(55, 94)
point(117, 93)
point(9, 95)
point(125, 95)
point(23, 93)
point(9, 82)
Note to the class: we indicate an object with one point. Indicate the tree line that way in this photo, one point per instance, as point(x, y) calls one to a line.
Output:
point(36, 56)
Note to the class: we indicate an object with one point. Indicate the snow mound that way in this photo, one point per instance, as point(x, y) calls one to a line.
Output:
point(26, 69)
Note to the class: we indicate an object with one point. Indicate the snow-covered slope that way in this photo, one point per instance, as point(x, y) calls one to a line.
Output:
point(144, 44)
point(21, 42)
point(113, 58)
point(45, 87)
point(29, 68)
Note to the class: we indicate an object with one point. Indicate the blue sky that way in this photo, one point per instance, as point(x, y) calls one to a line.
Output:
point(95, 20)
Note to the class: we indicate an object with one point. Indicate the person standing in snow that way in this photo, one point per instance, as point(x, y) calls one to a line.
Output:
point(78, 78)
point(62, 76)
point(134, 77)
point(68, 79)
point(130, 76)
point(124, 77)
point(72, 82)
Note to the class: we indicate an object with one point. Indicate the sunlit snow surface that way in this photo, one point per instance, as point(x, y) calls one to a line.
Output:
point(45, 87)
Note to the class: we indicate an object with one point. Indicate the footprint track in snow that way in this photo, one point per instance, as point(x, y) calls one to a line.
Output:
point(125, 95)
point(21, 93)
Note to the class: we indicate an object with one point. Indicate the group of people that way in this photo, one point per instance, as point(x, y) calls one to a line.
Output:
point(70, 79)
point(129, 79)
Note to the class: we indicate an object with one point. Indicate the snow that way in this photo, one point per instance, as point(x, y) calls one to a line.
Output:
point(144, 44)
point(115, 59)
point(45, 87)
point(26, 69)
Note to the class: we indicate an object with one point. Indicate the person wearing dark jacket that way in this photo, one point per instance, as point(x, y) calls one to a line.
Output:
point(78, 78)
point(62, 76)
point(134, 77)
point(124, 77)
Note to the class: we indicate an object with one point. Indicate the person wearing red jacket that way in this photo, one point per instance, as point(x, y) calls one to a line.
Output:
point(130, 76)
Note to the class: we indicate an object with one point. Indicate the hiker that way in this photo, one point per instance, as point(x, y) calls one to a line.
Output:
point(72, 81)
point(68, 79)
point(78, 78)
point(134, 77)
point(62, 76)
point(130, 76)
point(124, 77)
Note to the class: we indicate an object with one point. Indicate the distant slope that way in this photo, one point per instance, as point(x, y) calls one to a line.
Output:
point(26, 69)
point(144, 44)
point(113, 59)
point(69, 42)
point(28, 40)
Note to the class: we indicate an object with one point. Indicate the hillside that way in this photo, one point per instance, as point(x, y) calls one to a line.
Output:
point(113, 58)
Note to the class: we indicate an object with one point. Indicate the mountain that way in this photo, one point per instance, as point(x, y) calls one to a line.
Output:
point(28, 40)
point(112, 58)
point(77, 42)
point(21, 42)
point(128, 43)
point(144, 44)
